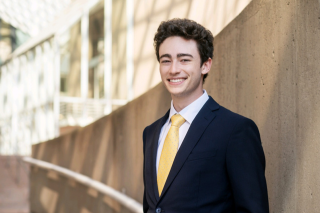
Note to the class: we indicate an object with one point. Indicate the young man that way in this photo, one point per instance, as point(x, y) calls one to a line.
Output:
point(199, 157)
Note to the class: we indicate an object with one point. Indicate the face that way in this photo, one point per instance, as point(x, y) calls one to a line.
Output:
point(180, 67)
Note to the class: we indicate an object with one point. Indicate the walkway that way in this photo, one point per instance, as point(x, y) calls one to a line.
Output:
point(13, 192)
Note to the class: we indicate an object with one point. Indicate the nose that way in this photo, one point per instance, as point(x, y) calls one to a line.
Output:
point(175, 68)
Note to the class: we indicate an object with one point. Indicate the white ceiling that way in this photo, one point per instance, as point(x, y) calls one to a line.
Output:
point(30, 16)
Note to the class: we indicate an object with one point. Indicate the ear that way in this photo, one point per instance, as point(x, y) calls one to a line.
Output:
point(206, 66)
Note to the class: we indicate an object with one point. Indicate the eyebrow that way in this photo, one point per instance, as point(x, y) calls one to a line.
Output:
point(184, 54)
point(178, 55)
point(165, 55)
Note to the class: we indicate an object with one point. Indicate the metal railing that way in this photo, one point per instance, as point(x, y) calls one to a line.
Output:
point(123, 199)
point(78, 111)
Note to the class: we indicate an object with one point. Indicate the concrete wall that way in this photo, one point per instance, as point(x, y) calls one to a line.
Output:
point(266, 67)
point(109, 150)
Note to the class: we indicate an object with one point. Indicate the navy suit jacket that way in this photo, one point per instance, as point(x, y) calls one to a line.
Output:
point(219, 167)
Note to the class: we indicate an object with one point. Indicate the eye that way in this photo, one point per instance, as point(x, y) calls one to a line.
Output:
point(185, 60)
point(165, 61)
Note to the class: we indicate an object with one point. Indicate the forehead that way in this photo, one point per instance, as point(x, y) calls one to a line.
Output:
point(176, 44)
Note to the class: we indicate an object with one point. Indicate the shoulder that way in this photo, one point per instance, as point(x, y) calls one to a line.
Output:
point(241, 129)
point(224, 113)
point(233, 122)
point(152, 127)
point(234, 117)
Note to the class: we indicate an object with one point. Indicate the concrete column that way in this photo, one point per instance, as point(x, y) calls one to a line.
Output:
point(14, 106)
point(84, 61)
point(56, 101)
point(108, 54)
point(130, 45)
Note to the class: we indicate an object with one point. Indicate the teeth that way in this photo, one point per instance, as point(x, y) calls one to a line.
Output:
point(175, 80)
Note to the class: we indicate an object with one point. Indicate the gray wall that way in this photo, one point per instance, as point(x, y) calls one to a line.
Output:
point(265, 67)
point(109, 150)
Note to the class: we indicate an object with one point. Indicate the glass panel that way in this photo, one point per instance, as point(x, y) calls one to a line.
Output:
point(96, 51)
point(70, 62)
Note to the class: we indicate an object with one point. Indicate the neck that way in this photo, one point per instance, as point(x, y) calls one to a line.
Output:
point(180, 102)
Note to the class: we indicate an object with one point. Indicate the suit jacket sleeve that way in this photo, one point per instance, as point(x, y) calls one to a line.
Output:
point(246, 166)
point(145, 204)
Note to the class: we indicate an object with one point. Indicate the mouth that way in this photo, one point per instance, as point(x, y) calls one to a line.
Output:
point(176, 80)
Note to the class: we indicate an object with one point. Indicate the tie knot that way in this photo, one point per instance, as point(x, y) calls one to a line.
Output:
point(177, 120)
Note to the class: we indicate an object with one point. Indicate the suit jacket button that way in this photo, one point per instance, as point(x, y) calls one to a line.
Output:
point(158, 210)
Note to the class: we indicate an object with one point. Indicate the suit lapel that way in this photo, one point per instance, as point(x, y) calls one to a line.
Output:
point(198, 126)
point(154, 147)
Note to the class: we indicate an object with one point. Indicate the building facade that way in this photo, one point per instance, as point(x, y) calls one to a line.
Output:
point(93, 58)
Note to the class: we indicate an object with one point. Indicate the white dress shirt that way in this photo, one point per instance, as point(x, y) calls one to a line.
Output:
point(188, 113)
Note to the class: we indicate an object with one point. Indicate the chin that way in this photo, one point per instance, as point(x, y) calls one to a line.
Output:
point(177, 93)
point(174, 91)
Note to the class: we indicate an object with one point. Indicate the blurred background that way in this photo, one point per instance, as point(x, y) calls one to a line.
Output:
point(66, 63)
point(79, 82)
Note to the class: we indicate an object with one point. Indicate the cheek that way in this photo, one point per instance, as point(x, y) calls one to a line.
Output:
point(196, 73)
point(163, 76)
point(163, 71)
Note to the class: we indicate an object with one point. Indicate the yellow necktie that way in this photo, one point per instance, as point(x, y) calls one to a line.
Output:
point(169, 150)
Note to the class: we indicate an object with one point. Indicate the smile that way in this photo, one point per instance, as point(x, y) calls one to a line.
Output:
point(176, 80)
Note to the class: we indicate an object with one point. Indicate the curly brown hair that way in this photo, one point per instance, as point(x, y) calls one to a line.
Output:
point(187, 29)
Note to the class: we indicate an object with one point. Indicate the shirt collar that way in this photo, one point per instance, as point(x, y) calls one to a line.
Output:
point(190, 111)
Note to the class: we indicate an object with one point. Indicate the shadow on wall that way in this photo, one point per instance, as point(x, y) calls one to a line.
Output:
point(109, 150)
